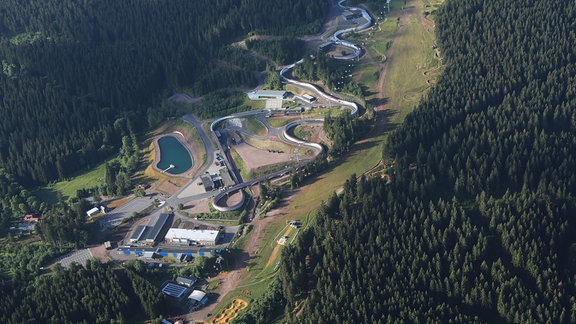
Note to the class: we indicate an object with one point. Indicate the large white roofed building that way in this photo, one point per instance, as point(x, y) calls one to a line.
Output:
point(183, 236)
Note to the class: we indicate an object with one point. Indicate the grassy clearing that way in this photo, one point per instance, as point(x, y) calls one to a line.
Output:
point(68, 188)
point(280, 121)
point(414, 65)
point(267, 144)
point(303, 131)
point(254, 126)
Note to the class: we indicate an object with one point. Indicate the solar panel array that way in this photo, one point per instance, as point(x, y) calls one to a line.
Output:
point(173, 290)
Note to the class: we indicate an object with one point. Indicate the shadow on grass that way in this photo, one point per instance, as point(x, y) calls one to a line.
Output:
point(47, 195)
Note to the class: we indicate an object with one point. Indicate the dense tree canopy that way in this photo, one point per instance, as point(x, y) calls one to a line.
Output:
point(477, 224)
point(70, 69)
point(95, 294)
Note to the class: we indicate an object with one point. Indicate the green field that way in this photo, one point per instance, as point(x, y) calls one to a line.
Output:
point(68, 188)
point(254, 126)
point(280, 121)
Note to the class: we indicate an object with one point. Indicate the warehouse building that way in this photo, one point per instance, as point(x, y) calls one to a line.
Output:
point(188, 282)
point(158, 226)
point(139, 233)
point(267, 94)
point(154, 231)
point(181, 236)
point(207, 182)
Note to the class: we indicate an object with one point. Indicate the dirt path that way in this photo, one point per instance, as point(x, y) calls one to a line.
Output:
point(231, 280)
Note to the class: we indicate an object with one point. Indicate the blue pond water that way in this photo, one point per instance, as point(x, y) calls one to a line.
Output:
point(173, 152)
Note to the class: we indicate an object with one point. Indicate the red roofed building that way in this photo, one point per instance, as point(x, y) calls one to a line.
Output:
point(31, 218)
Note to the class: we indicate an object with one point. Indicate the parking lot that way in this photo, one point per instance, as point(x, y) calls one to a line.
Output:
point(115, 217)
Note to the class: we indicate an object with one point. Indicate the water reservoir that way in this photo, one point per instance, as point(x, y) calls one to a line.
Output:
point(172, 152)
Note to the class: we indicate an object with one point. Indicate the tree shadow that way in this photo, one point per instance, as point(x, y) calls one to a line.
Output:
point(375, 102)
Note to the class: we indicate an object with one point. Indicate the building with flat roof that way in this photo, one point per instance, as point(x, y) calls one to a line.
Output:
point(308, 97)
point(207, 182)
point(158, 226)
point(174, 290)
point(181, 236)
point(267, 94)
point(188, 282)
point(139, 233)
point(226, 178)
point(198, 297)
point(93, 211)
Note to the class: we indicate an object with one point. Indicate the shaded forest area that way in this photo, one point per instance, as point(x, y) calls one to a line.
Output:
point(282, 51)
point(478, 223)
point(94, 294)
point(70, 69)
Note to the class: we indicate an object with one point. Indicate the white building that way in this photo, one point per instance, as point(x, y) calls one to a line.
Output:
point(93, 211)
point(183, 236)
point(198, 297)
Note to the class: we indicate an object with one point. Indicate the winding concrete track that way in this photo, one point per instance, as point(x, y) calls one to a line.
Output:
point(281, 133)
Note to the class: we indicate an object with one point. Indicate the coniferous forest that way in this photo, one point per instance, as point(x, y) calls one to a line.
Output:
point(478, 222)
point(69, 69)
point(79, 82)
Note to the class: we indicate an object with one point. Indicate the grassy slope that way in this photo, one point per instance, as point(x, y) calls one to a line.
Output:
point(68, 188)
point(405, 84)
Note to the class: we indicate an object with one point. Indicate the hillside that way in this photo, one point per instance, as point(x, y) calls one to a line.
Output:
point(477, 224)
point(77, 76)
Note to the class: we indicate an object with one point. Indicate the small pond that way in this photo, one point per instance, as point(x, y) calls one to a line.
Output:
point(172, 152)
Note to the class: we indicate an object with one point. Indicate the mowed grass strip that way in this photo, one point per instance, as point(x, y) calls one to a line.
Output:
point(409, 74)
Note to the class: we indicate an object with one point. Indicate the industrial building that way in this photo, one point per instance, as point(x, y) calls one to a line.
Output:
point(207, 182)
point(181, 236)
point(139, 234)
point(154, 231)
point(188, 282)
point(308, 98)
point(226, 178)
point(267, 94)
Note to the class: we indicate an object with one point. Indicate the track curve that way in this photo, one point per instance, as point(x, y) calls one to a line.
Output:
point(335, 38)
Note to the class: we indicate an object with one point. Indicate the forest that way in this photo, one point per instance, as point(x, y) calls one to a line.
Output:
point(477, 223)
point(81, 81)
point(70, 69)
point(93, 294)
point(282, 51)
